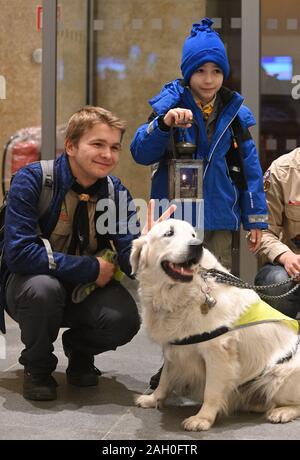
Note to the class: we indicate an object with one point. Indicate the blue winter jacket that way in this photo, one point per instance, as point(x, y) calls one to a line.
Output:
point(225, 206)
point(24, 251)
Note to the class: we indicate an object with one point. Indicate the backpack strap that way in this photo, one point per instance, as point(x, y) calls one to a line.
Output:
point(242, 133)
point(44, 203)
point(234, 156)
point(47, 186)
point(111, 189)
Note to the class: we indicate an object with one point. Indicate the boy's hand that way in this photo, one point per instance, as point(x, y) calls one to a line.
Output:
point(106, 272)
point(180, 118)
point(254, 239)
point(150, 216)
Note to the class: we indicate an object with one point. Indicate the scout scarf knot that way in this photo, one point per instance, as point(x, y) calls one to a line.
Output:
point(81, 228)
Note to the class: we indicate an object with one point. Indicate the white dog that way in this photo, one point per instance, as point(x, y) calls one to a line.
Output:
point(247, 367)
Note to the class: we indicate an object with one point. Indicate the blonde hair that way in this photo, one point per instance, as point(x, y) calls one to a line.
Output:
point(85, 118)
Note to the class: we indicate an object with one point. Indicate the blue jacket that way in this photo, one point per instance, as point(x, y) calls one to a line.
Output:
point(24, 251)
point(225, 206)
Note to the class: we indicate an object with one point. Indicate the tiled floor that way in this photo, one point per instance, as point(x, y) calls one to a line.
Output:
point(107, 412)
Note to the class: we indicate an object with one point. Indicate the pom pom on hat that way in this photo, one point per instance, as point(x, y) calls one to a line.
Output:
point(203, 45)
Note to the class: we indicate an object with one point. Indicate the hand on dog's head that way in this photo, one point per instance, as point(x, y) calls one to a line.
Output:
point(171, 246)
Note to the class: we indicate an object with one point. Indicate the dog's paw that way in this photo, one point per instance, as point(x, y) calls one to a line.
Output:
point(147, 401)
point(196, 423)
point(282, 414)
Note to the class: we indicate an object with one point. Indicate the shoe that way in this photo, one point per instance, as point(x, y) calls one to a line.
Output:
point(87, 377)
point(154, 381)
point(81, 371)
point(39, 387)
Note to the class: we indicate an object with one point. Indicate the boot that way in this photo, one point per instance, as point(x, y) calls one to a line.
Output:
point(39, 387)
point(81, 371)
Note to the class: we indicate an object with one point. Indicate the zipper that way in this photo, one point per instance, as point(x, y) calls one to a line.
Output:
point(216, 144)
point(235, 201)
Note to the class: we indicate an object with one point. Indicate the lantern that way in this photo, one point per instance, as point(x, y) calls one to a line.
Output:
point(186, 183)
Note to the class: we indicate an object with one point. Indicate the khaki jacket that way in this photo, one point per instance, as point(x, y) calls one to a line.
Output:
point(60, 238)
point(282, 187)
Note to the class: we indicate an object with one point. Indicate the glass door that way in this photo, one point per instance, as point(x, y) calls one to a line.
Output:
point(72, 74)
point(138, 49)
point(280, 78)
point(226, 15)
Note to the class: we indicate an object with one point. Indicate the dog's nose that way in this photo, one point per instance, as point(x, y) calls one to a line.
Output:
point(195, 249)
point(195, 242)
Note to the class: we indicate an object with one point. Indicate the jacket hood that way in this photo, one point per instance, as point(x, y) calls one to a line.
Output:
point(172, 93)
point(168, 97)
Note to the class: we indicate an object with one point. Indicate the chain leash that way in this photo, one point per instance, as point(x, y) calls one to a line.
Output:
point(228, 278)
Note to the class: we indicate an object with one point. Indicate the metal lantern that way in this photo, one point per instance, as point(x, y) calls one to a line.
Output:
point(185, 173)
point(186, 182)
point(185, 179)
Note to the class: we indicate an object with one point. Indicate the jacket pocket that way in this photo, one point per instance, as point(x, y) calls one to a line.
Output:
point(292, 212)
point(61, 236)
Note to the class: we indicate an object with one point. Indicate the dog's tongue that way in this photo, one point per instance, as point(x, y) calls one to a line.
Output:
point(181, 270)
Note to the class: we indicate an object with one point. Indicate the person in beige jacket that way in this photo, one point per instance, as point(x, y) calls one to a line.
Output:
point(280, 246)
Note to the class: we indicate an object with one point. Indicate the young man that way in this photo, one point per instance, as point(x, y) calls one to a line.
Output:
point(233, 181)
point(38, 286)
point(280, 248)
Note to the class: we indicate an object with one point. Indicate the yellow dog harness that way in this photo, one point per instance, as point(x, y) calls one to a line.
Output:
point(261, 312)
point(258, 313)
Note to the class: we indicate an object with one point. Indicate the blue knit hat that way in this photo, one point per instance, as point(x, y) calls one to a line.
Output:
point(203, 45)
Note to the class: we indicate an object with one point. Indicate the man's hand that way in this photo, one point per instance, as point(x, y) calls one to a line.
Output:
point(106, 272)
point(291, 262)
point(180, 118)
point(150, 216)
point(254, 239)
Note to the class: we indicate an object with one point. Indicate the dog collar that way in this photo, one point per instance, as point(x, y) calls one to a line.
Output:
point(204, 337)
point(258, 313)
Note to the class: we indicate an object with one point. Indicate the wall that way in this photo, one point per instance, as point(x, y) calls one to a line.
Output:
point(18, 39)
point(22, 106)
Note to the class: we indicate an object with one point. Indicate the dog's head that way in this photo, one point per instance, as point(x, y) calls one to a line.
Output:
point(171, 248)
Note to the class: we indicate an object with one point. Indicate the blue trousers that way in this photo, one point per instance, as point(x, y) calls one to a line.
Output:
point(41, 304)
point(272, 274)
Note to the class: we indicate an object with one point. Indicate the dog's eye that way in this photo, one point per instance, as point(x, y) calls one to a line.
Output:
point(194, 235)
point(169, 232)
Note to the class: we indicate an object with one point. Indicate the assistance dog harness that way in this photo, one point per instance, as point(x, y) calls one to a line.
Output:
point(258, 313)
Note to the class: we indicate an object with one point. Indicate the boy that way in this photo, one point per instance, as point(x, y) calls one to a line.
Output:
point(232, 180)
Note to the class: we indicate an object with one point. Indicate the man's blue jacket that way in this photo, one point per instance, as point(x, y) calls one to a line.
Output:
point(225, 205)
point(24, 251)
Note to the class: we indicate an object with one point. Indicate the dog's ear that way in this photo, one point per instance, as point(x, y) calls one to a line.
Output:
point(136, 250)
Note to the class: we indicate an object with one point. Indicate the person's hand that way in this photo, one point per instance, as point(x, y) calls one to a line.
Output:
point(254, 239)
point(106, 272)
point(180, 118)
point(150, 216)
point(291, 263)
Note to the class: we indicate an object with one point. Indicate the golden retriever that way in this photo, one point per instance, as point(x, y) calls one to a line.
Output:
point(253, 368)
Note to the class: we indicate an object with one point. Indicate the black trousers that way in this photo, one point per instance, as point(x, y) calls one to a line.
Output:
point(41, 304)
